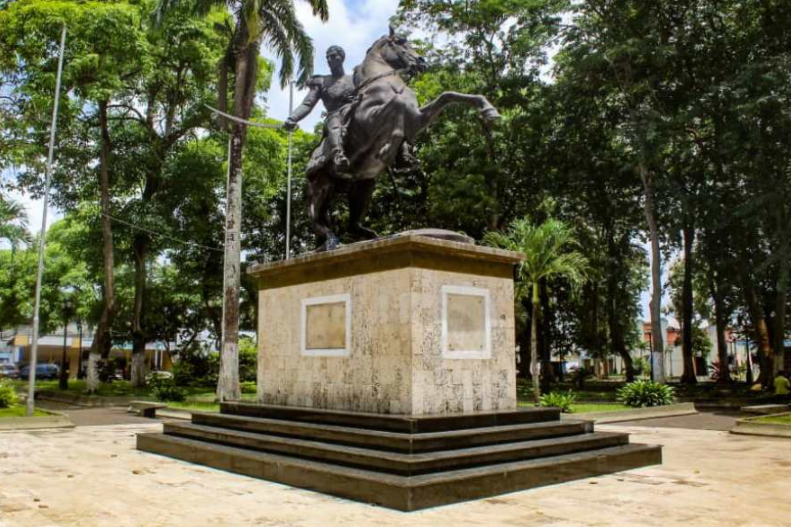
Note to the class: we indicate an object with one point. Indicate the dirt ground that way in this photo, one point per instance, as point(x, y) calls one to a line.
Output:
point(93, 476)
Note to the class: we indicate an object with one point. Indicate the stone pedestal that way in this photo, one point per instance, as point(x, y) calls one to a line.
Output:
point(406, 325)
point(386, 375)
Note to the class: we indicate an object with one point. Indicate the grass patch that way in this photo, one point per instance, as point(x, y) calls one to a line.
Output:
point(196, 406)
point(580, 408)
point(198, 394)
point(776, 420)
point(599, 407)
point(19, 411)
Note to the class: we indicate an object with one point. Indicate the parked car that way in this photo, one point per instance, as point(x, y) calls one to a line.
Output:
point(43, 371)
point(9, 371)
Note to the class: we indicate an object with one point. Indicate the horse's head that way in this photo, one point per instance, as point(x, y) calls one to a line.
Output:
point(396, 51)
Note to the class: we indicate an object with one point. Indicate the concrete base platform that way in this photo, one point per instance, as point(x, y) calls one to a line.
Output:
point(401, 462)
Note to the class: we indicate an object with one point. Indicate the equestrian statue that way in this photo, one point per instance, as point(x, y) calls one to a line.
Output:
point(372, 118)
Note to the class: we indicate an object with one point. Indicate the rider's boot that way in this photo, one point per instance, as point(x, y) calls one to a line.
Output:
point(342, 166)
point(405, 161)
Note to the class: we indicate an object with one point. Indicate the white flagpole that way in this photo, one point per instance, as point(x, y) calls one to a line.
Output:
point(288, 190)
point(31, 393)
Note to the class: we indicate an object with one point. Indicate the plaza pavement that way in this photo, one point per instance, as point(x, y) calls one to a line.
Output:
point(93, 476)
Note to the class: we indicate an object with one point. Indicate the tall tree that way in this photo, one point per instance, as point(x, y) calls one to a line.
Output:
point(549, 251)
point(106, 46)
point(256, 21)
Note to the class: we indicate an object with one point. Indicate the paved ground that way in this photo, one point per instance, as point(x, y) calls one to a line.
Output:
point(93, 476)
point(82, 416)
point(700, 421)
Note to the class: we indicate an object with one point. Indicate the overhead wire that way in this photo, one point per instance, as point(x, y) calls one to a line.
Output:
point(171, 238)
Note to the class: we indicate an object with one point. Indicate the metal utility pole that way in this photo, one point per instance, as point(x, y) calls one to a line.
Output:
point(288, 179)
point(31, 391)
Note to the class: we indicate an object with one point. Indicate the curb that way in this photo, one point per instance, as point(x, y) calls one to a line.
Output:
point(88, 401)
point(637, 414)
point(56, 420)
point(751, 426)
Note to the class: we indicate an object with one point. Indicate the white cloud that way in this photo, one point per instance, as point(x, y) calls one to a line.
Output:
point(352, 25)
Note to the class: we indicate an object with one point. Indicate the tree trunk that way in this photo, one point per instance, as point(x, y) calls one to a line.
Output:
point(536, 301)
point(782, 291)
point(138, 371)
point(657, 355)
point(688, 376)
point(721, 321)
point(547, 374)
point(614, 325)
point(102, 338)
point(765, 355)
point(525, 339)
point(228, 388)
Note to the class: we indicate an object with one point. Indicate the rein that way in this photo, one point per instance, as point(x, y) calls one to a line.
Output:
point(377, 77)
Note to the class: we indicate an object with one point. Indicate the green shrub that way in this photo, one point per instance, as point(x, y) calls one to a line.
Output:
point(559, 400)
point(8, 396)
point(249, 388)
point(579, 376)
point(248, 360)
point(166, 390)
point(642, 366)
point(639, 394)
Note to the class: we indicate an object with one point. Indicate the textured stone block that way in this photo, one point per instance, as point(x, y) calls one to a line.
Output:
point(407, 325)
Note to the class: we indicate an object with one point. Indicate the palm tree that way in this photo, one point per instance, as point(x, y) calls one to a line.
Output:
point(254, 22)
point(549, 254)
point(13, 223)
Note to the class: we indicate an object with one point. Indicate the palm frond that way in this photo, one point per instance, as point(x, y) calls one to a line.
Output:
point(285, 35)
point(549, 251)
point(320, 9)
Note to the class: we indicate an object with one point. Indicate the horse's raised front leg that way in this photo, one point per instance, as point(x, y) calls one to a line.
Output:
point(432, 110)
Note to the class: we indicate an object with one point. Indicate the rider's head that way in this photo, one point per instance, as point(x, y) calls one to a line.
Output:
point(335, 58)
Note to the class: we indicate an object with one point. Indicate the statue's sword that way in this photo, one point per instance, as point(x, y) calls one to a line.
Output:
point(290, 149)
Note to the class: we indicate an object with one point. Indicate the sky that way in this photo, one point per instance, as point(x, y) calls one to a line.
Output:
point(354, 25)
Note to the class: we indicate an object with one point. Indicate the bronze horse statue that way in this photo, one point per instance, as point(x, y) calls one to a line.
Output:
point(384, 114)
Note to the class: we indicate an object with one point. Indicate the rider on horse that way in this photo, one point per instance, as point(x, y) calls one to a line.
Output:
point(337, 92)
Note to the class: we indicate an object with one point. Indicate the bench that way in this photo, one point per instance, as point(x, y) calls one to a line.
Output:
point(145, 408)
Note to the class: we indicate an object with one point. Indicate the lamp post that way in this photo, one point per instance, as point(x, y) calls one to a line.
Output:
point(31, 388)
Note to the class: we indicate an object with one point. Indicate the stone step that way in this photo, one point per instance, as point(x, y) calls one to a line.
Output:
point(402, 492)
point(395, 462)
point(396, 441)
point(393, 423)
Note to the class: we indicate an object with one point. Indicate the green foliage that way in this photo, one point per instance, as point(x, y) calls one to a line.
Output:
point(8, 396)
point(13, 222)
point(642, 366)
point(166, 390)
point(248, 360)
point(579, 376)
point(639, 394)
point(564, 401)
point(549, 253)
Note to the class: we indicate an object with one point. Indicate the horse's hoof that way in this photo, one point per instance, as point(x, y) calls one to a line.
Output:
point(490, 114)
point(331, 244)
point(364, 233)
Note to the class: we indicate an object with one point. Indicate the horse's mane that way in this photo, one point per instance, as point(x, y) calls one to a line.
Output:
point(376, 43)
point(356, 70)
